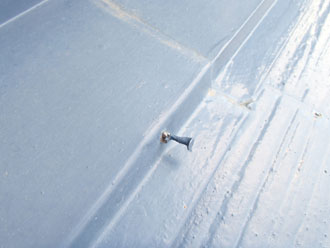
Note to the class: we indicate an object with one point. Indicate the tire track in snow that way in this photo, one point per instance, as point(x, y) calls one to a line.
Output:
point(259, 227)
point(269, 174)
point(309, 205)
point(300, 191)
point(224, 207)
point(178, 242)
point(279, 52)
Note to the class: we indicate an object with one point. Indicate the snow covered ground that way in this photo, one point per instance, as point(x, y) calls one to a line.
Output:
point(259, 172)
point(82, 165)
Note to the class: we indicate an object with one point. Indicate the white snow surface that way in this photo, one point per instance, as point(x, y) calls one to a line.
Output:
point(259, 173)
point(74, 170)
